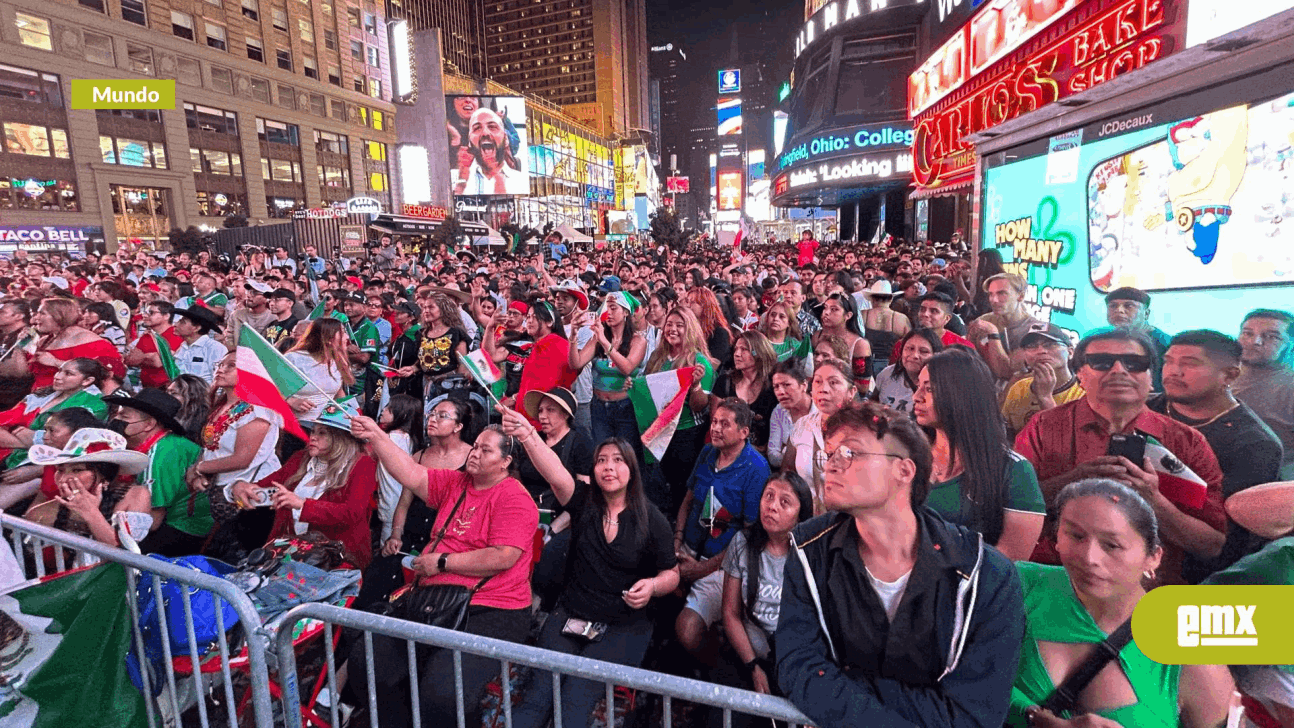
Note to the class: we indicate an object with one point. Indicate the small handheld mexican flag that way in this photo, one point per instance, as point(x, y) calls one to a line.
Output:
point(169, 365)
point(1177, 482)
point(267, 379)
point(658, 401)
point(485, 372)
point(714, 515)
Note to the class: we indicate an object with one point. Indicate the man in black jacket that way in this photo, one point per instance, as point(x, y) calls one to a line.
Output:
point(904, 619)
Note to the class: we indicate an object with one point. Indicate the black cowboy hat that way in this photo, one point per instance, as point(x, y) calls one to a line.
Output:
point(203, 317)
point(155, 403)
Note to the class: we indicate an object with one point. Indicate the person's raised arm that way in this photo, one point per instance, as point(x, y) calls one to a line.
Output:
point(577, 357)
point(397, 462)
point(546, 461)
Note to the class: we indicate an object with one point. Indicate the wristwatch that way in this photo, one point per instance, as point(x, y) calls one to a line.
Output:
point(442, 562)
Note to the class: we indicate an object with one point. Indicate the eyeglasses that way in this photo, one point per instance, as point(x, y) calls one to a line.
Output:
point(1134, 363)
point(847, 456)
point(443, 416)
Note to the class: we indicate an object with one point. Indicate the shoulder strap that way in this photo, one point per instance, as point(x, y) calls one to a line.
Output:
point(1066, 696)
point(444, 526)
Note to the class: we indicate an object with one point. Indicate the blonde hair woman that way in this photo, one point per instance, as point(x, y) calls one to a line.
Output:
point(782, 328)
point(682, 345)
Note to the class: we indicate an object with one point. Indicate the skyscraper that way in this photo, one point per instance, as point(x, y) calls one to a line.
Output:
point(587, 56)
point(666, 66)
point(462, 29)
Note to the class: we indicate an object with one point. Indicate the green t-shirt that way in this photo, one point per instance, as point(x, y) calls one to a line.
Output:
point(168, 459)
point(1023, 493)
point(688, 419)
point(366, 337)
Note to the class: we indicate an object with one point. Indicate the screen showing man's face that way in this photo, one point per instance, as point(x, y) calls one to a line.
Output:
point(487, 139)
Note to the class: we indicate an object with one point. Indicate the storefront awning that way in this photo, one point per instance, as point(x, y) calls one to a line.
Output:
point(401, 225)
point(959, 188)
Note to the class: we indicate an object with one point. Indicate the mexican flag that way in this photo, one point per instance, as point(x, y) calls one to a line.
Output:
point(658, 401)
point(484, 371)
point(1177, 482)
point(714, 516)
point(804, 352)
point(164, 353)
point(63, 645)
point(266, 379)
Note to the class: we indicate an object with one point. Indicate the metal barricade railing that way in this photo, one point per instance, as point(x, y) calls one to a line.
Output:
point(670, 687)
point(255, 667)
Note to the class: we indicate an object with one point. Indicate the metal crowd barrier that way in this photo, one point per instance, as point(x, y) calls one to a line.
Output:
point(173, 701)
point(670, 687)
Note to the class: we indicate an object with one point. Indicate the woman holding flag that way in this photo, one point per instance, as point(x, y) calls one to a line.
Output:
point(320, 357)
point(617, 352)
point(548, 365)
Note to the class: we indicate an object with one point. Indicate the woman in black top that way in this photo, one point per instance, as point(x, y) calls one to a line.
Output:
point(751, 380)
point(622, 556)
point(554, 410)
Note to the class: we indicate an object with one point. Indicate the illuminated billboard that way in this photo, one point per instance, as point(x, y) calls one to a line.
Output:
point(1192, 207)
point(729, 111)
point(487, 145)
point(730, 81)
point(731, 190)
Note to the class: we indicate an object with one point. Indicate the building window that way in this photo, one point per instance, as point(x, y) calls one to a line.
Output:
point(375, 151)
point(207, 118)
point(307, 30)
point(35, 140)
point(38, 194)
point(357, 50)
point(327, 8)
point(133, 11)
point(326, 141)
point(280, 19)
point(375, 88)
point(255, 51)
point(216, 37)
point(95, 5)
point(311, 68)
point(333, 179)
point(370, 23)
point(357, 83)
point(338, 110)
point(284, 59)
point(260, 89)
point(282, 207)
point(222, 79)
point(215, 161)
point(98, 48)
point(277, 132)
point(189, 71)
point(182, 25)
point(141, 58)
point(319, 105)
point(374, 59)
point(132, 152)
point(334, 75)
point(153, 116)
point(221, 204)
point(281, 170)
point(251, 10)
point(287, 97)
point(379, 120)
point(352, 17)
point(33, 31)
point(378, 182)
point(217, 3)
point(20, 84)
point(330, 40)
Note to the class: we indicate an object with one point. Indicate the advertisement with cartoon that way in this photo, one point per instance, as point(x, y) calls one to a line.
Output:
point(1197, 210)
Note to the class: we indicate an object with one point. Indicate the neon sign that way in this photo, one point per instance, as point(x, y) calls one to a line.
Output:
point(1123, 38)
point(846, 141)
point(828, 15)
point(430, 212)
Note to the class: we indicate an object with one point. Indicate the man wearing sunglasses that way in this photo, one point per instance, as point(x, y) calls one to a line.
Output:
point(1072, 442)
point(890, 615)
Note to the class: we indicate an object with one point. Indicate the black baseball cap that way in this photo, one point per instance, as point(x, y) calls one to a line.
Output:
point(284, 293)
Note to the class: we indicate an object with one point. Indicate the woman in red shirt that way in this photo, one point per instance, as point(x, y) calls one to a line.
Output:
point(548, 364)
point(62, 340)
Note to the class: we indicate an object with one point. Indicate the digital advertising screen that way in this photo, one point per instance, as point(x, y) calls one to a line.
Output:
point(487, 145)
point(1195, 209)
point(729, 113)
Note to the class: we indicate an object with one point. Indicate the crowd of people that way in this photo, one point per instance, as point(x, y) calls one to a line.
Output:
point(892, 494)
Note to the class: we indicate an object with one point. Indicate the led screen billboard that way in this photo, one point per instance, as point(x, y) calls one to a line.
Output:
point(729, 111)
point(487, 145)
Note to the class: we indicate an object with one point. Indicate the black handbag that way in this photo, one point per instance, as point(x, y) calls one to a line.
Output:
point(436, 605)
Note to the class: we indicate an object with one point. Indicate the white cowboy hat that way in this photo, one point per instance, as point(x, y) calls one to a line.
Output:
point(91, 445)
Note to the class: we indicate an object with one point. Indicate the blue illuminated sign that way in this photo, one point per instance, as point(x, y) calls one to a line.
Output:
point(730, 81)
point(849, 140)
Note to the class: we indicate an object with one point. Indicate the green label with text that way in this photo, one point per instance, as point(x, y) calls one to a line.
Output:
point(1216, 625)
point(121, 93)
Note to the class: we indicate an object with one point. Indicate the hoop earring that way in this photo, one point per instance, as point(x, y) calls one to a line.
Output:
point(1149, 574)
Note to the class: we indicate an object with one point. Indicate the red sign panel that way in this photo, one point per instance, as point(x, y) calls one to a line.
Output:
point(431, 212)
point(1123, 37)
point(677, 185)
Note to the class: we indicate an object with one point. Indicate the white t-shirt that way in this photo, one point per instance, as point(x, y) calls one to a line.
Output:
point(263, 463)
point(768, 596)
point(894, 391)
point(323, 374)
point(388, 488)
point(309, 488)
point(890, 592)
point(807, 438)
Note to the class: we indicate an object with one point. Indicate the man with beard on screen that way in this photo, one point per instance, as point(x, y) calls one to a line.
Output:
point(494, 169)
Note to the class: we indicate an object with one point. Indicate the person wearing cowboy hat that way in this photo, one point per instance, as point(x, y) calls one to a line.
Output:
point(198, 353)
point(90, 496)
point(554, 410)
point(326, 487)
point(181, 519)
point(883, 326)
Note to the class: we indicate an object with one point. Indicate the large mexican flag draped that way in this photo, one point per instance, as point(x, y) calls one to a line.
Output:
point(63, 645)
point(658, 401)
